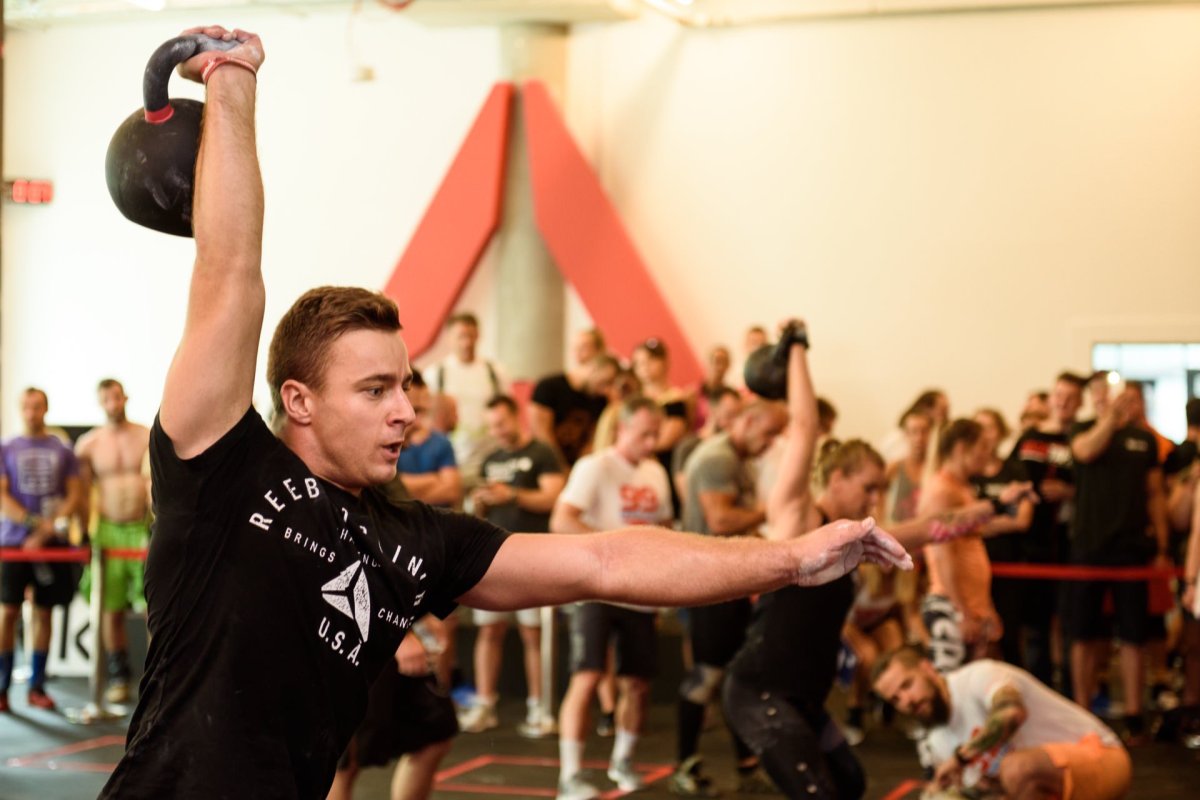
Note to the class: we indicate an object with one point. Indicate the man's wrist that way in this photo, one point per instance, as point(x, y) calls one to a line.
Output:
point(961, 756)
point(31, 521)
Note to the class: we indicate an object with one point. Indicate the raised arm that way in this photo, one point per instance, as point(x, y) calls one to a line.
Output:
point(1091, 444)
point(791, 497)
point(210, 381)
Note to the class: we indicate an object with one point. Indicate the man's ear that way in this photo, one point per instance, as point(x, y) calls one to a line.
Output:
point(297, 401)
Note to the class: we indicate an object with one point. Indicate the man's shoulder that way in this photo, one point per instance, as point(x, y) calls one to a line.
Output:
point(716, 450)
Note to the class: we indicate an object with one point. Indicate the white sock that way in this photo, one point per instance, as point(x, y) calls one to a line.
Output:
point(623, 745)
point(570, 759)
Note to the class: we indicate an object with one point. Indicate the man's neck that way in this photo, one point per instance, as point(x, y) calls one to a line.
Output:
point(36, 433)
point(116, 424)
point(466, 358)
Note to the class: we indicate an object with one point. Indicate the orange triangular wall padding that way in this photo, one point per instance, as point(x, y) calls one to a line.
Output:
point(590, 245)
point(456, 227)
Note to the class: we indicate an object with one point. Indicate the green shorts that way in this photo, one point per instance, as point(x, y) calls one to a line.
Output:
point(124, 579)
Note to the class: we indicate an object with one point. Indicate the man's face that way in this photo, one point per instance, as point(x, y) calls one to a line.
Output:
point(726, 411)
point(600, 380)
point(422, 404)
point(718, 363)
point(502, 426)
point(33, 411)
point(648, 367)
point(759, 430)
point(112, 400)
point(754, 339)
point(637, 437)
point(361, 414)
point(584, 348)
point(912, 691)
point(1065, 401)
point(463, 337)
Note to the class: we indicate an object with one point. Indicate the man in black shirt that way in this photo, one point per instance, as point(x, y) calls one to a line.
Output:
point(1045, 453)
point(566, 406)
point(279, 581)
point(1120, 520)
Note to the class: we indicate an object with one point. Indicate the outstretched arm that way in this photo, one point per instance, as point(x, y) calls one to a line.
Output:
point(791, 498)
point(658, 567)
point(211, 379)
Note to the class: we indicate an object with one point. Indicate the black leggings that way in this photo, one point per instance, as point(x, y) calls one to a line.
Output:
point(801, 748)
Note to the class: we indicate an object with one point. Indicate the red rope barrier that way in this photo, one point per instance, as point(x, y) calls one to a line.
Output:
point(1076, 572)
point(78, 555)
point(73, 555)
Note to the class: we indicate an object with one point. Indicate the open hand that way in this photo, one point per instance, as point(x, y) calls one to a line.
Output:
point(833, 550)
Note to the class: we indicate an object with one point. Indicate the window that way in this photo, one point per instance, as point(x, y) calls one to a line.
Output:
point(1170, 372)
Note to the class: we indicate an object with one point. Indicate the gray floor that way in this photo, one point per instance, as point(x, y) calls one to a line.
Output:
point(45, 757)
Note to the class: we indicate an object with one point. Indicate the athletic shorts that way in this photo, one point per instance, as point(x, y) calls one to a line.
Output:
point(595, 625)
point(124, 578)
point(718, 631)
point(1084, 618)
point(1091, 769)
point(53, 583)
point(404, 715)
point(947, 650)
point(526, 617)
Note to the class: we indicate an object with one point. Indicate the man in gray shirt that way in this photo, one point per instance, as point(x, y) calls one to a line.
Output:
point(720, 500)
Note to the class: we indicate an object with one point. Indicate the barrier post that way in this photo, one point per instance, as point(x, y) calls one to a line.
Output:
point(95, 711)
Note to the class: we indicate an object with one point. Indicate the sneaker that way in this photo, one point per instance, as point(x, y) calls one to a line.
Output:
point(538, 728)
point(607, 724)
point(576, 788)
point(756, 782)
point(39, 699)
point(4, 706)
point(479, 718)
point(117, 691)
point(688, 781)
point(622, 774)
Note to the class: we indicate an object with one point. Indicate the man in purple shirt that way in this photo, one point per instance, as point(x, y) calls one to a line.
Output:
point(39, 491)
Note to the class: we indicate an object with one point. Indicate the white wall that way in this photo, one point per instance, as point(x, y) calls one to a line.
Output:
point(964, 200)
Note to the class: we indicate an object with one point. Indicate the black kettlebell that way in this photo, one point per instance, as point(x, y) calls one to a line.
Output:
point(151, 163)
point(766, 368)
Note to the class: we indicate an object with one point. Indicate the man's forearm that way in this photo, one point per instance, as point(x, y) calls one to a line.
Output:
point(1157, 502)
point(1002, 723)
point(1088, 446)
point(643, 565)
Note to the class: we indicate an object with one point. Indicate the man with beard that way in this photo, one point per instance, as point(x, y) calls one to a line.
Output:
point(996, 728)
point(111, 457)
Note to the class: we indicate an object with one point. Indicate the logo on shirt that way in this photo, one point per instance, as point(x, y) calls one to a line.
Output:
point(1136, 446)
point(349, 594)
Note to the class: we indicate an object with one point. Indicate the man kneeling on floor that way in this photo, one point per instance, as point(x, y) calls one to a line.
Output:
point(993, 730)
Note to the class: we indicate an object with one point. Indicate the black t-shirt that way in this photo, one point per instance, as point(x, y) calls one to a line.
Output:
point(275, 599)
point(521, 469)
point(1006, 546)
point(1111, 520)
point(1183, 456)
point(575, 413)
point(793, 641)
point(1045, 456)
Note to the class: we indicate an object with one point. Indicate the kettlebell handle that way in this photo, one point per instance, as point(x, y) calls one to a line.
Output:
point(163, 61)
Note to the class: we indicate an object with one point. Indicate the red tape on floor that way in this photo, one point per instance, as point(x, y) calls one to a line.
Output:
point(73, 555)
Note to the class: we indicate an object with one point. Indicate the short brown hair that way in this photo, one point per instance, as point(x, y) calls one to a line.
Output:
point(109, 383)
point(966, 431)
point(845, 457)
point(300, 347)
point(910, 655)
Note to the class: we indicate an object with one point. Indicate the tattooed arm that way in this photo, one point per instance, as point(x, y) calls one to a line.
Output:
point(1007, 715)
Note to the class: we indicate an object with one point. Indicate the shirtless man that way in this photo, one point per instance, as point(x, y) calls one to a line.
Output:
point(958, 610)
point(110, 458)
